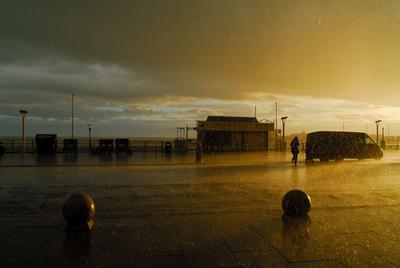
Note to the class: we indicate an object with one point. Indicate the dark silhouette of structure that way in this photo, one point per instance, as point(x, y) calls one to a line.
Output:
point(2, 148)
point(70, 146)
point(46, 143)
point(231, 133)
point(122, 146)
point(168, 148)
point(338, 145)
point(106, 146)
point(23, 115)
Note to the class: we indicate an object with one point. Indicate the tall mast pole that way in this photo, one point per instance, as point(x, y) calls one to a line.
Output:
point(23, 114)
point(276, 123)
point(72, 116)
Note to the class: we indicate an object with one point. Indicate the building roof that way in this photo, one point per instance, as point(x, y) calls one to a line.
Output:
point(233, 123)
point(212, 118)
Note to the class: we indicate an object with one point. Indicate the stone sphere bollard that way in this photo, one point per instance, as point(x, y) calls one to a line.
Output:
point(78, 211)
point(296, 203)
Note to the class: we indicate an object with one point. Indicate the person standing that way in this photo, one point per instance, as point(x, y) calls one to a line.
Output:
point(294, 148)
point(199, 150)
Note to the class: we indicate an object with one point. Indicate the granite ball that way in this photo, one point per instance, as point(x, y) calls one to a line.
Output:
point(78, 209)
point(296, 203)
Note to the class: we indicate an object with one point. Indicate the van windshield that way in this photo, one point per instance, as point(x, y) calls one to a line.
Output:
point(368, 140)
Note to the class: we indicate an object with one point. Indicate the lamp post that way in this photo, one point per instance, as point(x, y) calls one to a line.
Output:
point(383, 143)
point(283, 131)
point(72, 115)
point(23, 114)
point(276, 126)
point(283, 127)
point(377, 130)
point(90, 126)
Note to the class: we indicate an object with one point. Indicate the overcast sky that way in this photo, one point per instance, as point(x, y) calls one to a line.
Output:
point(140, 68)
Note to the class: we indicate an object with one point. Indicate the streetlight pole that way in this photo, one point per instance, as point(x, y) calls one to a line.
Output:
point(283, 131)
point(377, 131)
point(283, 127)
point(23, 114)
point(276, 126)
point(90, 126)
point(72, 116)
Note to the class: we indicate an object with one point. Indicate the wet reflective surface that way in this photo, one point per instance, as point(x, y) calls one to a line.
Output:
point(159, 211)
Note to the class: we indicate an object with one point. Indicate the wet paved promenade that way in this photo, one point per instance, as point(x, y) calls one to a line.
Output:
point(158, 211)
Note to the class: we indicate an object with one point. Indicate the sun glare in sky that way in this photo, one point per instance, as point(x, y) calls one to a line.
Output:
point(141, 69)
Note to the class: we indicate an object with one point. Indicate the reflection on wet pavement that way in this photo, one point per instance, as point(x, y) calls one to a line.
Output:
point(154, 211)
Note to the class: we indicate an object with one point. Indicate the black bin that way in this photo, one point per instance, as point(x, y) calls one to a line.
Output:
point(46, 143)
point(168, 147)
point(122, 146)
point(106, 146)
point(2, 148)
point(70, 146)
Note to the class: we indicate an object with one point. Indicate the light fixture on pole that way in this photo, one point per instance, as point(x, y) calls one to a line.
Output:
point(23, 114)
point(90, 126)
point(377, 130)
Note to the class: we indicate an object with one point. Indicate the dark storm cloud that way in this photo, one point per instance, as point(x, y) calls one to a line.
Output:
point(61, 110)
point(180, 60)
point(65, 77)
point(316, 48)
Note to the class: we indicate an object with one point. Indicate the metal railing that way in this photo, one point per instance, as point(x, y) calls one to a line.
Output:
point(15, 145)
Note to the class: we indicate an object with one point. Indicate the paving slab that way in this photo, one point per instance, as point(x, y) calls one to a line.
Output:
point(265, 258)
point(212, 214)
point(356, 256)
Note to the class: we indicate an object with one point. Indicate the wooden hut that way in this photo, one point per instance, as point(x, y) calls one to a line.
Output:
point(232, 133)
